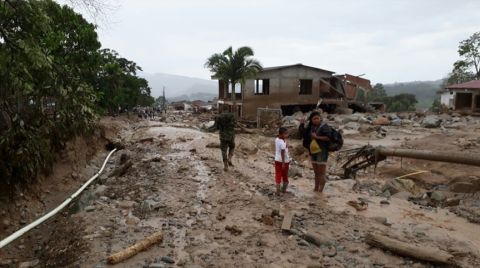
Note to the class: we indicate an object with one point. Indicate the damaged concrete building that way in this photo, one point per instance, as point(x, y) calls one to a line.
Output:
point(463, 97)
point(291, 88)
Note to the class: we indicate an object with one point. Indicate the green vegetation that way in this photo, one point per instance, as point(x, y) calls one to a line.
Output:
point(55, 80)
point(468, 67)
point(397, 103)
point(233, 67)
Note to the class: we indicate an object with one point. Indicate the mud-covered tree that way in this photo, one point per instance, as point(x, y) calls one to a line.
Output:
point(234, 67)
point(468, 67)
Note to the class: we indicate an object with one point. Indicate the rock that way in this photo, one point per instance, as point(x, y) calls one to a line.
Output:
point(342, 110)
point(247, 147)
point(267, 220)
point(351, 118)
point(396, 122)
point(364, 120)
point(352, 125)
point(366, 129)
point(132, 220)
point(90, 208)
point(316, 240)
point(463, 187)
point(331, 252)
point(402, 195)
point(220, 217)
point(5, 223)
point(303, 243)
point(157, 265)
point(431, 121)
point(75, 175)
point(397, 185)
point(382, 220)
point(168, 260)
point(100, 190)
point(294, 171)
point(29, 264)
point(233, 229)
point(126, 204)
point(275, 213)
point(213, 145)
point(207, 125)
point(438, 196)
point(381, 121)
point(384, 202)
point(452, 202)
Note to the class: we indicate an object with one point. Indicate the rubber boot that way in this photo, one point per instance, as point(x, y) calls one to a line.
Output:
point(225, 166)
point(279, 189)
point(285, 186)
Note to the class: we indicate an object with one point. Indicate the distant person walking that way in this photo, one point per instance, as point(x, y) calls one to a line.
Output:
point(225, 123)
point(282, 161)
point(316, 140)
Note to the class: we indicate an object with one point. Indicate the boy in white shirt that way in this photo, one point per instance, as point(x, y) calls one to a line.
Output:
point(282, 160)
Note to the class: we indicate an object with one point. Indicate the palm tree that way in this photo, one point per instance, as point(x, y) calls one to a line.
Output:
point(233, 67)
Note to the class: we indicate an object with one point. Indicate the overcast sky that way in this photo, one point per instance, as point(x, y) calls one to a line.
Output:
point(388, 40)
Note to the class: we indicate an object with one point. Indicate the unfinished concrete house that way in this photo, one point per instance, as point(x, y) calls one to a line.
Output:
point(288, 89)
point(463, 97)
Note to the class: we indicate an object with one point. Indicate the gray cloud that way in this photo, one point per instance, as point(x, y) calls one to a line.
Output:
point(388, 40)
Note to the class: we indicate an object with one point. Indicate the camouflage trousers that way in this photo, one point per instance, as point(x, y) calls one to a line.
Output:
point(227, 147)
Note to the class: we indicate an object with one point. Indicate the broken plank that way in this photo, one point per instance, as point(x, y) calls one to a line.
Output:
point(135, 249)
point(287, 221)
point(422, 253)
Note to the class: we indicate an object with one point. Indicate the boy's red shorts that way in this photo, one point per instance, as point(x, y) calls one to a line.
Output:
point(281, 174)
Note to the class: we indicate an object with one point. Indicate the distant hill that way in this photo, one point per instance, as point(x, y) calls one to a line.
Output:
point(179, 87)
point(425, 91)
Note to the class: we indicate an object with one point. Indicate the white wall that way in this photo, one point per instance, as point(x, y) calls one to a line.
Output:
point(447, 99)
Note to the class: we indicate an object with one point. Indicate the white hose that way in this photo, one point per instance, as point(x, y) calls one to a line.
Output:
point(34, 224)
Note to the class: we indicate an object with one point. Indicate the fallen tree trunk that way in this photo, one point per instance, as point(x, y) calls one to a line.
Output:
point(135, 249)
point(409, 250)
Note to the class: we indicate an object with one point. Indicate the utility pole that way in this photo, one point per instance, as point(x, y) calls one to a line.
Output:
point(164, 101)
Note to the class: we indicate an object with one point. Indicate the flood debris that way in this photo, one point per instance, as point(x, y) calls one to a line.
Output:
point(419, 252)
point(136, 248)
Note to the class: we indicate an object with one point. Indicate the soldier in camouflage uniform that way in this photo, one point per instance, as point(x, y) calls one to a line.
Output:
point(225, 123)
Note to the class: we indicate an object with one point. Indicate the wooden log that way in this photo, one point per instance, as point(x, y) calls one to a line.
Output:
point(135, 249)
point(422, 253)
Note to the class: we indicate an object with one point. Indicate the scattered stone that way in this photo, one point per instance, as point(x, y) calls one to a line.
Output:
point(316, 240)
point(438, 196)
point(384, 202)
point(75, 175)
point(220, 217)
point(452, 202)
point(233, 229)
point(213, 145)
point(132, 220)
point(303, 243)
point(275, 213)
point(397, 185)
point(330, 251)
point(463, 187)
point(168, 260)
point(90, 208)
point(431, 121)
point(29, 264)
point(100, 190)
point(126, 204)
point(402, 195)
point(267, 220)
point(381, 121)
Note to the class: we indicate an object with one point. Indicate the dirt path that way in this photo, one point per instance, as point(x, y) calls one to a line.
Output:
point(215, 219)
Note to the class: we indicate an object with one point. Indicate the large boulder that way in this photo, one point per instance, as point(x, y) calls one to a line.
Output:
point(431, 121)
point(247, 147)
point(381, 121)
point(397, 185)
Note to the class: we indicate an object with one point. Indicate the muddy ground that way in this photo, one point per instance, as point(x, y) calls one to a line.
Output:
point(211, 218)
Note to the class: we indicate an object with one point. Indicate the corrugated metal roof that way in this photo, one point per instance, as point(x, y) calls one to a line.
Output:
point(474, 84)
point(295, 65)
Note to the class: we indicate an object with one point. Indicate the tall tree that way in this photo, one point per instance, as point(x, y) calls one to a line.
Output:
point(468, 67)
point(234, 67)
